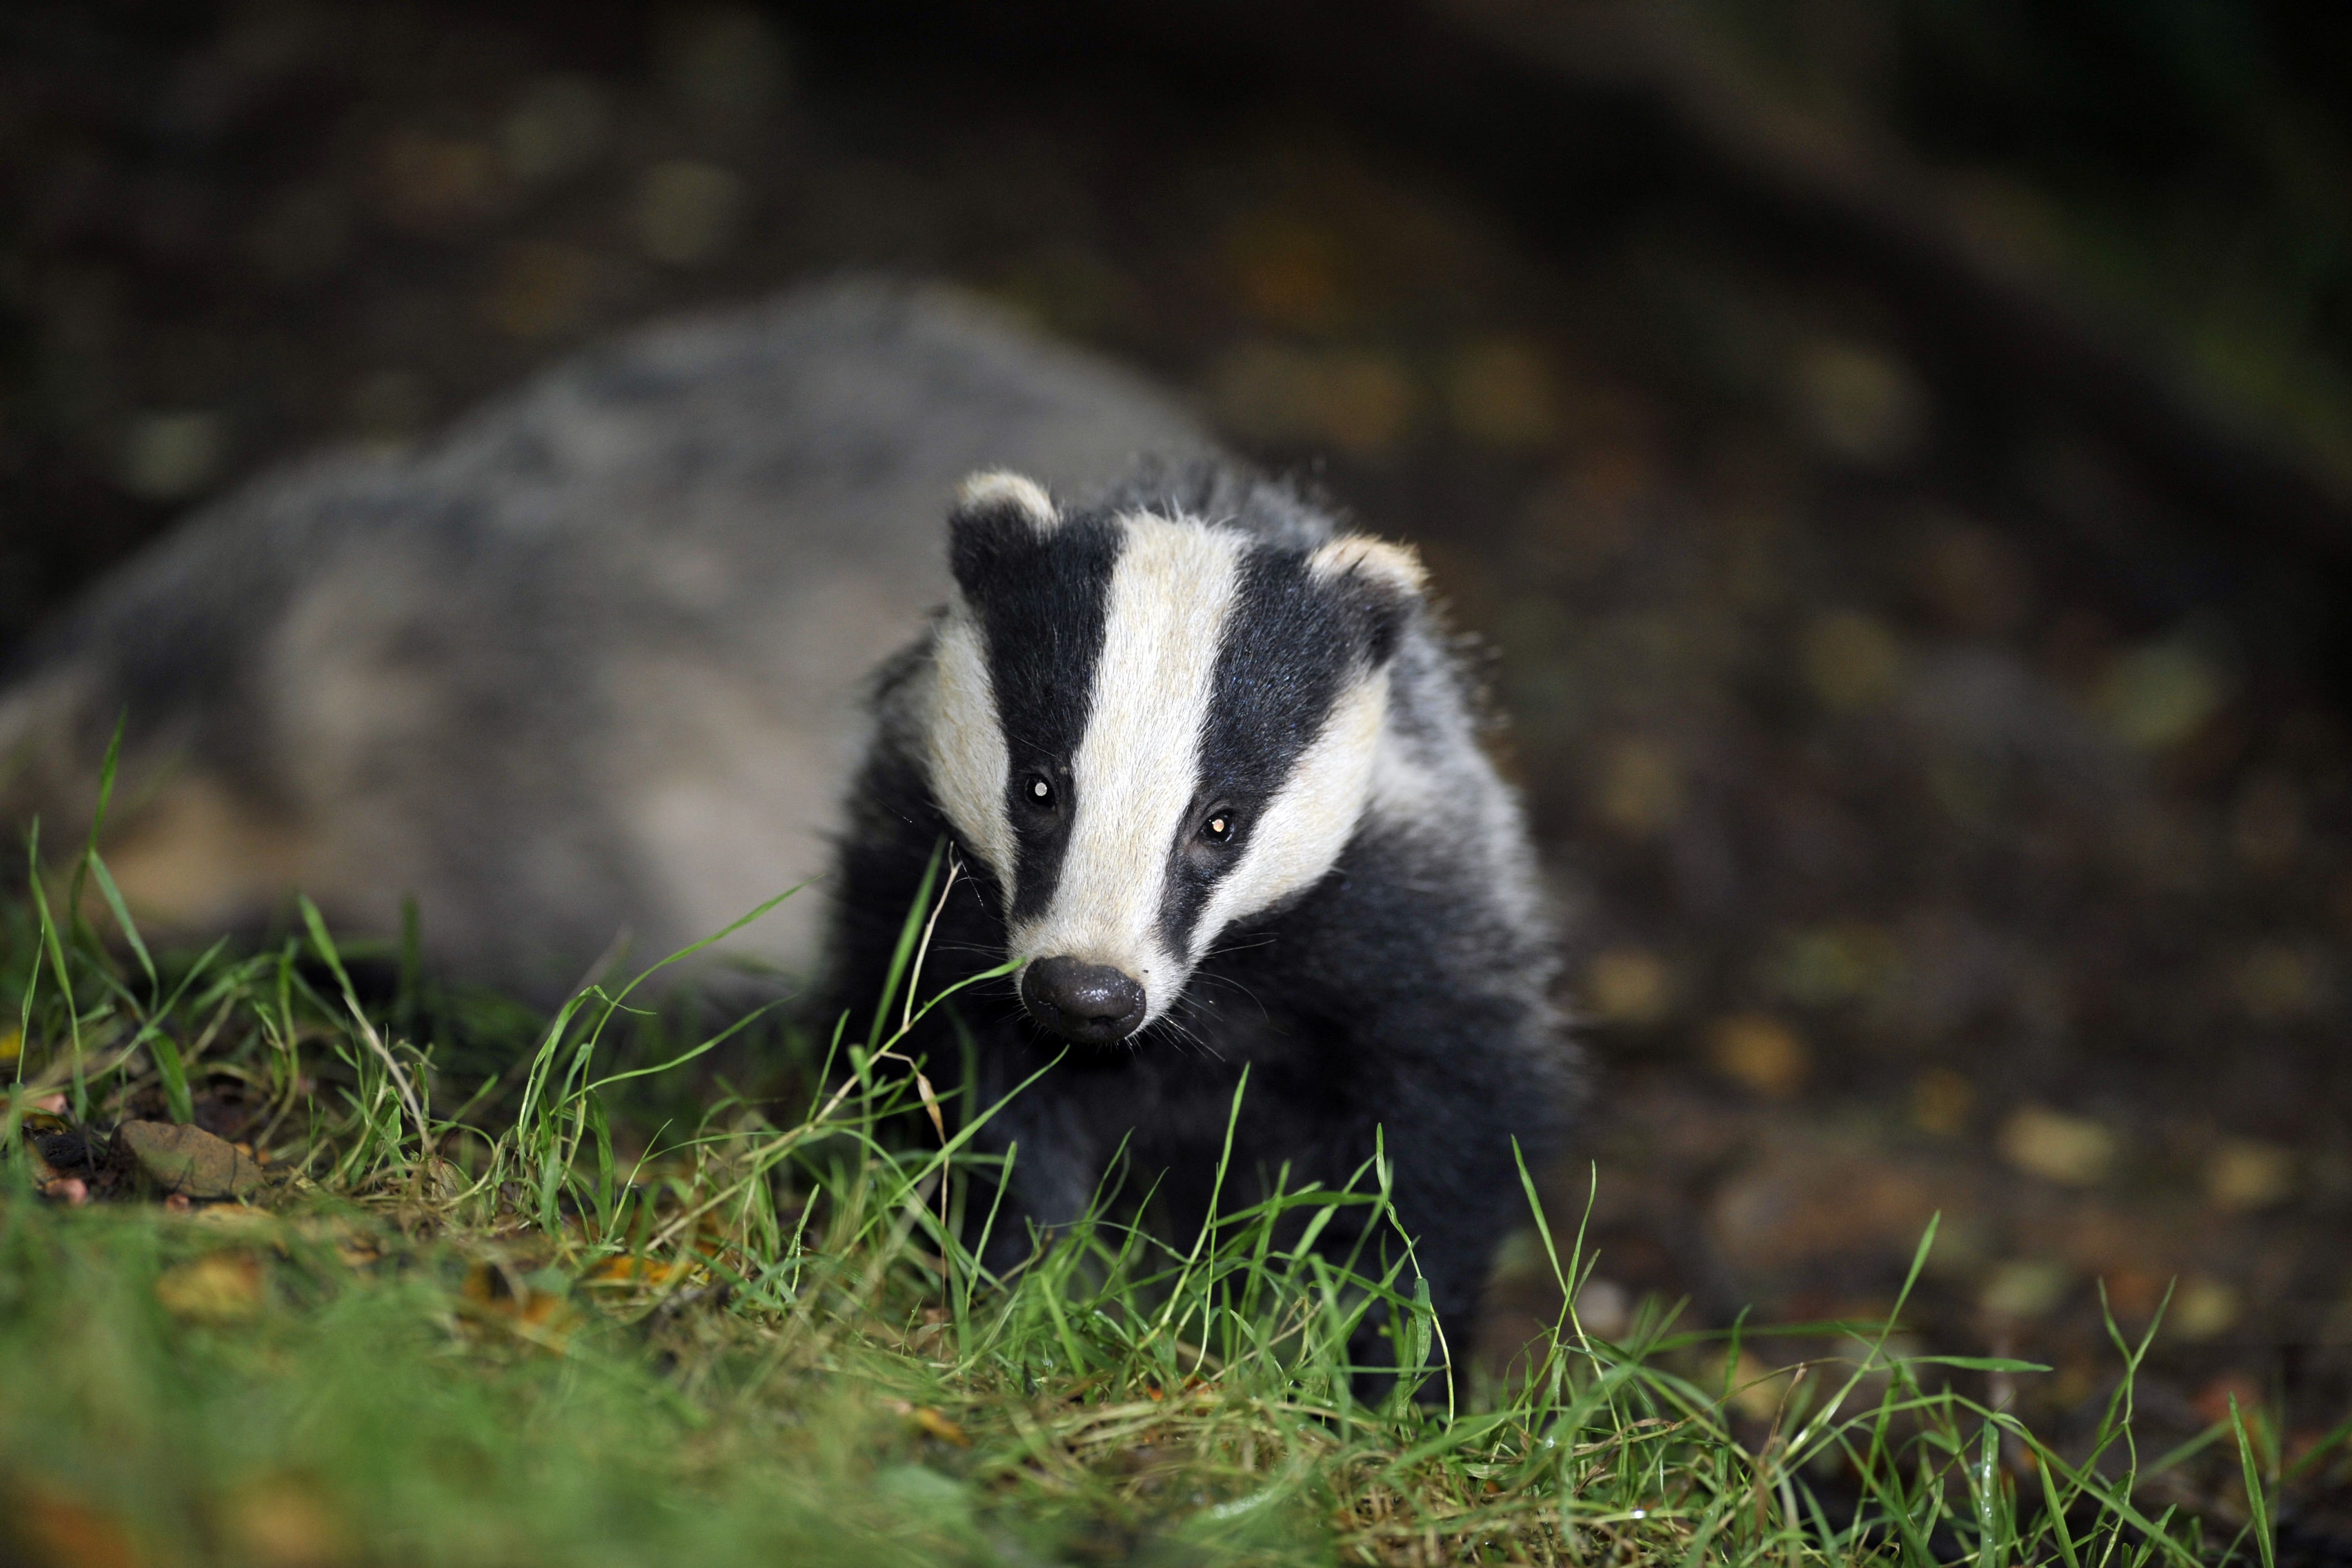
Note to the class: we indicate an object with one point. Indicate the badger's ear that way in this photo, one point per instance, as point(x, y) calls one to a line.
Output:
point(1386, 580)
point(996, 511)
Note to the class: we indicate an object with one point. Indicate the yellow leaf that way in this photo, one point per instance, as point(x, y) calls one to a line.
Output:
point(221, 1288)
point(939, 1427)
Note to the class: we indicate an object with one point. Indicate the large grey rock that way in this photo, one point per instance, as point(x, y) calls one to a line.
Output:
point(587, 665)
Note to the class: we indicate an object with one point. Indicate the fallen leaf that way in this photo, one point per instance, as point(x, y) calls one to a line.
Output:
point(221, 1287)
point(2024, 1288)
point(61, 1530)
point(2244, 1175)
point(282, 1522)
point(2058, 1147)
point(939, 1426)
point(1762, 1053)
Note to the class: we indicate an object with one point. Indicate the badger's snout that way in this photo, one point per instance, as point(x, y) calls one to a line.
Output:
point(1089, 1004)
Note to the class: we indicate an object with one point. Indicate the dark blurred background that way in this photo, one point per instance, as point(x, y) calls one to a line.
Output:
point(1896, 455)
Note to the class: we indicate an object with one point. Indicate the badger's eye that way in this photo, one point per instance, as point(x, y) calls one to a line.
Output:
point(1219, 828)
point(1038, 790)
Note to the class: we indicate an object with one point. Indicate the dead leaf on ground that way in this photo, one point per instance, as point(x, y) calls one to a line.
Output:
point(939, 1426)
point(222, 1287)
point(59, 1530)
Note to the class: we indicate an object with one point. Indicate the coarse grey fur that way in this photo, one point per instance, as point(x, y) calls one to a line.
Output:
point(1395, 997)
point(588, 664)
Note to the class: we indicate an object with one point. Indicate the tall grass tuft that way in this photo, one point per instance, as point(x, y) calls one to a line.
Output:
point(595, 1304)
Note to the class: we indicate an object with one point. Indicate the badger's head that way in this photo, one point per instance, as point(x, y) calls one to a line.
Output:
point(1150, 727)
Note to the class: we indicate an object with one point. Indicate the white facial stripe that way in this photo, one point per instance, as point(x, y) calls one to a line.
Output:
point(1135, 772)
point(968, 761)
point(1311, 818)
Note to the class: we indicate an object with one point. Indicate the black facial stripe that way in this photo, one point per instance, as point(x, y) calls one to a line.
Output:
point(1042, 604)
point(1291, 645)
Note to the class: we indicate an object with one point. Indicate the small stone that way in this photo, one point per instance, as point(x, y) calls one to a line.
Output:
point(188, 1160)
point(2159, 695)
point(2024, 1288)
point(1762, 1053)
point(1862, 405)
point(2057, 1147)
point(559, 129)
point(1941, 1103)
point(171, 457)
point(1640, 788)
point(1853, 660)
point(1604, 1307)
point(688, 212)
point(2277, 983)
point(2244, 1175)
point(1629, 986)
point(2203, 1308)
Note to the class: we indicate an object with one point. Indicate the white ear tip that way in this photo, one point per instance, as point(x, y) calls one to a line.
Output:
point(1378, 560)
point(1002, 488)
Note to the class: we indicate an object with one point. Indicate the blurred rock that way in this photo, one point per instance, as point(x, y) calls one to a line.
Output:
point(2244, 1175)
point(1941, 1101)
point(725, 65)
point(559, 128)
point(2203, 1308)
point(188, 1161)
point(2160, 694)
point(1501, 394)
point(431, 181)
point(1629, 986)
point(1853, 660)
point(2278, 982)
point(303, 233)
point(1802, 1201)
point(1861, 403)
point(1640, 790)
point(2024, 1288)
point(1974, 580)
point(285, 1521)
point(2057, 1147)
point(1760, 1052)
point(171, 456)
point(1841, 963)
point(1604, 1308)
point(540, 289)
point(687, 212)
point(390, 407)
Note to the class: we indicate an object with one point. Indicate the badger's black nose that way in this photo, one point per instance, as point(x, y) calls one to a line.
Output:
point(1091, 1004)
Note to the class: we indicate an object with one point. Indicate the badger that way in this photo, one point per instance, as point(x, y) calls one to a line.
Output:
point(586, 670)
point(1212, 767)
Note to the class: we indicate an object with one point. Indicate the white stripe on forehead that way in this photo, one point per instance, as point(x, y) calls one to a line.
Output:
point(1136, 768)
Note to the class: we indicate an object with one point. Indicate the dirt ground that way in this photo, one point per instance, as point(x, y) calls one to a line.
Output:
point(1951, 807)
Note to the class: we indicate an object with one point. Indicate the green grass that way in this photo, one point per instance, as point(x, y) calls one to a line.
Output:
point(565, 1296)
